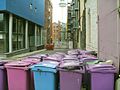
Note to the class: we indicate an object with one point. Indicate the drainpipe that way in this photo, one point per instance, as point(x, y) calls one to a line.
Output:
point(98, 53)
point(26, 35)
point(35, 35)
point(10, 32)
point(118, 33)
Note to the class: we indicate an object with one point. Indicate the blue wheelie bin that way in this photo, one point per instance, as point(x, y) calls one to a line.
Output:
point(45, 73)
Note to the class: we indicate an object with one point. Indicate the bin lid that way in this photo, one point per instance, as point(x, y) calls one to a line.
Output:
point(38, 56)
point(57, 55)
point(31, 60)
point(49, 64)
point(87, 56)
point(51, 58)
point(85, 52)
point(70, 58)
point(73, 52)
point(2, 62)
point(71, 63)
point(102, 68)
point(45, 66)
point(18, 64)
point(88, 59)
point(92, 62)
point(72, 66)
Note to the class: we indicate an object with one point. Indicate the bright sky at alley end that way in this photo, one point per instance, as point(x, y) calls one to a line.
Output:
point(58, 12)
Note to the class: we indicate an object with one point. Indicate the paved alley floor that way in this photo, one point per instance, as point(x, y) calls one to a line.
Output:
point(44, 51)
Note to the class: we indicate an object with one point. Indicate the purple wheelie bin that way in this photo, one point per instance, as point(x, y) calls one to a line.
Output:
point(101, 77)
point(3, 76)
point(70, 79)
point(18, 75)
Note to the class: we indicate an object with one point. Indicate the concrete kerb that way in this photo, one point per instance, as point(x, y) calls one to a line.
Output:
point(18, 57)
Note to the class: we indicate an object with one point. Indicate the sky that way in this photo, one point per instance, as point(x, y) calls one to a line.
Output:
point(59, 14)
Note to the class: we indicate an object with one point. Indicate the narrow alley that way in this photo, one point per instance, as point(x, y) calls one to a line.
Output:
point(59, 45)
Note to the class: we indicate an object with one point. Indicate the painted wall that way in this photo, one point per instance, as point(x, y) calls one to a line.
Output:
point(22, 9)
point(109, 30)
point(91, 25)
point(2, 4)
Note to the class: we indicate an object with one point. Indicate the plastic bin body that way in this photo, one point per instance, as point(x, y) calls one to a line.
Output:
point(45, 78)
point(70, 80)
point(1, 79)
point(3, 76)
point(18, 75)
point(117, 84)
point(17, 79)
point(102, 81)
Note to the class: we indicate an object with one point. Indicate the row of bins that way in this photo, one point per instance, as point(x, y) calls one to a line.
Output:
point(42, 72)
point(101, 76)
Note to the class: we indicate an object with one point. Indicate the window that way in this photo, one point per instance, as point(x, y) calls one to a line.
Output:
point(1, 22)
point(43, 34)
point(18, 33)
point(38, 36)
point(4, 24)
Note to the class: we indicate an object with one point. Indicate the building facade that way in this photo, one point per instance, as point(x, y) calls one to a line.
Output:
point(74, 21)
point(63, 32)
point(82, 19)
point(109, 30)
point(69, 23)
point(21, 23)
point(48, 21)
point(56, 31)
point(91, 25)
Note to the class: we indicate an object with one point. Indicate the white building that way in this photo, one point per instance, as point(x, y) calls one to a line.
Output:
point(91, 25)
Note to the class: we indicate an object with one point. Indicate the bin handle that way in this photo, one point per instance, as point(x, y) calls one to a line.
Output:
point(39, 70)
